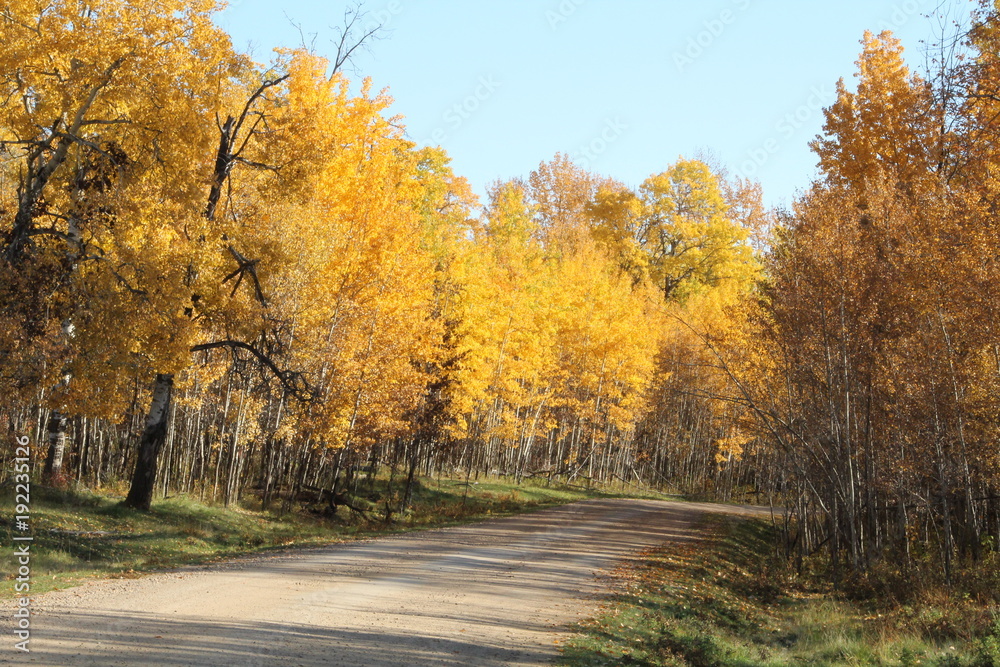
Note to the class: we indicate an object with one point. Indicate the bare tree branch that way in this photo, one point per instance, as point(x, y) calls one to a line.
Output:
point(351, 36)
point(229, 136)
point(245, 266)
point(294, 382)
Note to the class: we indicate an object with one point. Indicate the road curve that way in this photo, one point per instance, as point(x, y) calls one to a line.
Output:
point(495, 593)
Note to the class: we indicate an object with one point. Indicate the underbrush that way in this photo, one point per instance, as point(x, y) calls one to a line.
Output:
point(731, 601)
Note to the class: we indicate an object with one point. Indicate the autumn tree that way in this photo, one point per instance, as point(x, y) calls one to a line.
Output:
point(877, 319)
point(101, 124)
point(889, 124)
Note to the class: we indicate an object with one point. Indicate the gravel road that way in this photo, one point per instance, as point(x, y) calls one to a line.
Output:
point(501, 592)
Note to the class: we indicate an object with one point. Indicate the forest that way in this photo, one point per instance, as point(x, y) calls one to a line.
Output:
point(242, 281)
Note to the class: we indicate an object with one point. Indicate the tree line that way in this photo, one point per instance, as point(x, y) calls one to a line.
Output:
point(224, 277)
point(227, 278)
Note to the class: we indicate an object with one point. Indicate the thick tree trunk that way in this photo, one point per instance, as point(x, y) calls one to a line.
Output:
point(140, 495)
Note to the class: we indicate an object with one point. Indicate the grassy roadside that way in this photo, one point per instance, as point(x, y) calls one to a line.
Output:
point(80, 535)
point(727, 602)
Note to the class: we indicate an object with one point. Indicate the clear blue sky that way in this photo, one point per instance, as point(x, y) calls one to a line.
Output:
point(623, 86)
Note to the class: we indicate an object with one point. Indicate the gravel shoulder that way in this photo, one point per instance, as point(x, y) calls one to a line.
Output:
point(501, 592)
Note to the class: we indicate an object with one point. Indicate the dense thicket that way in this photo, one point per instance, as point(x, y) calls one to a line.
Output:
point(875, 369)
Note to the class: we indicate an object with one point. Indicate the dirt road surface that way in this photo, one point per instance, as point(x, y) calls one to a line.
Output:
point(496, 593)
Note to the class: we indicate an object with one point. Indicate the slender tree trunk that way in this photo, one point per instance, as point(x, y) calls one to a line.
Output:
point(140, 495)
point(414, 462)
point(57, 420)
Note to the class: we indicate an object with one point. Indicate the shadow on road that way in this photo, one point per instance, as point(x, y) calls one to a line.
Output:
point(496, 593)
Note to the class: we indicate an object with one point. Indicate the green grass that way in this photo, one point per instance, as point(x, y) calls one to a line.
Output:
point(728, 602)
point(80, 535)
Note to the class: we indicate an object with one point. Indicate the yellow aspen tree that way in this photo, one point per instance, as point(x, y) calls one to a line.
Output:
point(607, 337)
point(688, 235)
point(354, 280)
point(890, 123)
point(560, 191)
point(615, 220)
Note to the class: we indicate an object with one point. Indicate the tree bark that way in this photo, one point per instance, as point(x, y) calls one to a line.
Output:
point(140, 495)
point(56, 428)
